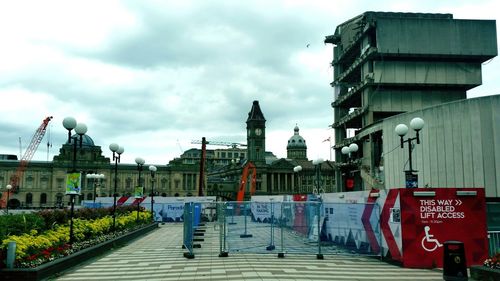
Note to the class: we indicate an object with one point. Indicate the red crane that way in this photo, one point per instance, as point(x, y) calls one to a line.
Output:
point(249, 168)
point(28, 154)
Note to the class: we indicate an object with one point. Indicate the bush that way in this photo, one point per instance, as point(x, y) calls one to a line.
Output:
point(19, 224)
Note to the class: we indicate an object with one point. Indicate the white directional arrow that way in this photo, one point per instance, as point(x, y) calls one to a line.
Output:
point(458, 202)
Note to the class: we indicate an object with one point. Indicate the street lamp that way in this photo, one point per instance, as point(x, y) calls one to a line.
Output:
point(97, 181)
point(317, 164)
point(416, 124)
point(73, 186)
point(9, 187)
point(297, 170)
point(349, 151)
point(117, 152)
point(152, 169)
point(139, 189)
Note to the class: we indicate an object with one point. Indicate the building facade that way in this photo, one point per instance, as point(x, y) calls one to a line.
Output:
point(389, 66)
point(273, 176)
point(44, 183)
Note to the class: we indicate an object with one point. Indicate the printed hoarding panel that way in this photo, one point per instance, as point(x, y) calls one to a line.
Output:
point(431, 217)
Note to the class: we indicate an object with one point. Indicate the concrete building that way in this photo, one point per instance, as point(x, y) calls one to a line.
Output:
point(389, 67)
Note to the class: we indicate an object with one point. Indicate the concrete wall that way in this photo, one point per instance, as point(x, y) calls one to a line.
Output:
point(436, 36)
point(428, 73)
point(460, 146)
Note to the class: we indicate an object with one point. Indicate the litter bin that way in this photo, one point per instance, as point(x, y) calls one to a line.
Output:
point(454, 264)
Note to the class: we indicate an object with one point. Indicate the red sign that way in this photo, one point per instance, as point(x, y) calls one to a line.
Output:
point(431, 217)
point(349, 183)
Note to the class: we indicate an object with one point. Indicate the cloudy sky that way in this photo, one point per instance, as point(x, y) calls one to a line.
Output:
point(154, 75)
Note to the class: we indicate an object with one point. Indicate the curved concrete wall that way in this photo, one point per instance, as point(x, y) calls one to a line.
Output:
point(460, 146)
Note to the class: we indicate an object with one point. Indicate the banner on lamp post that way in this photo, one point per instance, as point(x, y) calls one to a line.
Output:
point(73, 183)
point(138, 192)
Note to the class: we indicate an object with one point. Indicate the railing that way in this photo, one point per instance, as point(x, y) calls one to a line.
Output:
point(493, 242)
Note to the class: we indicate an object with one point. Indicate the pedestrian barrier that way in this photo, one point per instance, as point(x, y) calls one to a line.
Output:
point(298, 227)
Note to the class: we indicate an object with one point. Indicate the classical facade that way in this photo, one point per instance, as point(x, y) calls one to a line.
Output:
point(274, 176)
point(391, 67)
point(44, 182)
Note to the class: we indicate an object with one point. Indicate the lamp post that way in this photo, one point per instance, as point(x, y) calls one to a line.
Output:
point(297, 170)
point(416, 124)
point(96, 178)
point(139, 188)
point(117, 152)
point(317, 164)
point(73, 183)
point(152, 169)
point(9, 187)
point(349, 151)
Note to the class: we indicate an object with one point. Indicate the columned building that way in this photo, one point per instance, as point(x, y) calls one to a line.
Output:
point(274, 176)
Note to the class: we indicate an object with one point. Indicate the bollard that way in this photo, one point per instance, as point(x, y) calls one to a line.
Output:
point(454, 264)
point(11, 254)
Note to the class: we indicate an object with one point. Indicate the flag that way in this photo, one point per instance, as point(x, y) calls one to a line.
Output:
point(328, 139)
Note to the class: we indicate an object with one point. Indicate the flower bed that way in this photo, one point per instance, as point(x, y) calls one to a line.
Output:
point(42, 239)
point(489, 271)
point(58, 265)
point(33, 248)
point(484, 273)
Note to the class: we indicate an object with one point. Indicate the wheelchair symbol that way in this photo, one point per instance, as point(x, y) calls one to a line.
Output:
point(428, 243)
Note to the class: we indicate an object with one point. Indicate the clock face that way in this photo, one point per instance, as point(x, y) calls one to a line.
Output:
point(258, 132)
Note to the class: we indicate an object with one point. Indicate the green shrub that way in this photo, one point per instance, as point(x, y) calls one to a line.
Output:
point(20, 223)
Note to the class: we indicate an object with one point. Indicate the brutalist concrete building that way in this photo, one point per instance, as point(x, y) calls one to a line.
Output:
point(391, 67)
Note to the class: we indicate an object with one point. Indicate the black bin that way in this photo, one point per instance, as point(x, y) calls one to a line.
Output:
point(454, 264)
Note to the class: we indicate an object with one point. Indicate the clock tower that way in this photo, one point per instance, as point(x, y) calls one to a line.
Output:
point(256, 135)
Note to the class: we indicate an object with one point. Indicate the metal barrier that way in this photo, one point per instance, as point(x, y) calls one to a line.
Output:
point(493, 242)
point(188, 230)
point(299, 227)
point(281, 227)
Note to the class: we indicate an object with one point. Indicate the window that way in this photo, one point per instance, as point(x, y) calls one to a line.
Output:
point(29, 182)
point(60, 184)
point(44, 182)
point(59, 200)
point(29, 199)
point(43, 198)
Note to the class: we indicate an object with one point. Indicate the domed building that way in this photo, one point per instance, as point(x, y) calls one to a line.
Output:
point(292, 175)
point(296, 147)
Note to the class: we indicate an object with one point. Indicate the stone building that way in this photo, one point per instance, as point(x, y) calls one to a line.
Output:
point(274, 176)
point(44, 182)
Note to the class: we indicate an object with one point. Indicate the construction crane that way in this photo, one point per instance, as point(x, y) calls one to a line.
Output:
point(221, 143)
point(26, 158)
point(204, 143)
point(249, 168)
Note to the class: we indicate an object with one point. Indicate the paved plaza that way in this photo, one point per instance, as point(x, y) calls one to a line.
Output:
point(159, 256)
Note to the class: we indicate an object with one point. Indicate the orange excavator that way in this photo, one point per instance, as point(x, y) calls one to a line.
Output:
point(26, 158)
point(249, 168)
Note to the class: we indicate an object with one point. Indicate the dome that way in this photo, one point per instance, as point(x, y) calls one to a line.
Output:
point(296, 141)
point(86, 140)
